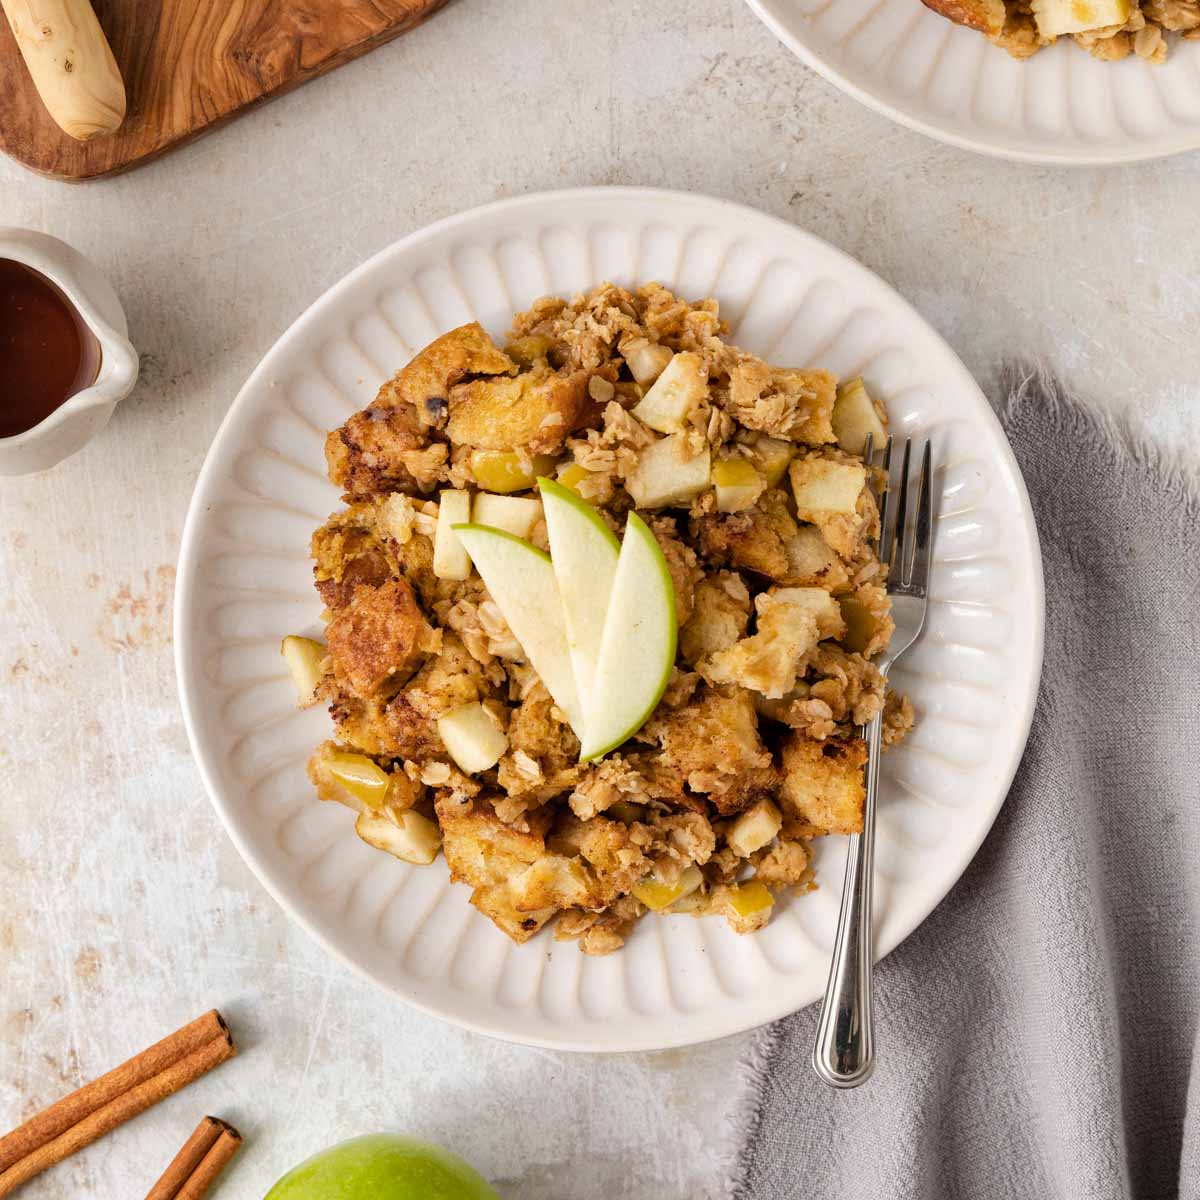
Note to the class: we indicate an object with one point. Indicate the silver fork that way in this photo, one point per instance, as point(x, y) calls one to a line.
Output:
point(844, 1050)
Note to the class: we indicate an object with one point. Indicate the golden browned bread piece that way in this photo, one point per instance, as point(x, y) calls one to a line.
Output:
point(379, 636)
point(533, 412)
point(387, 447)
point(712, 743)
point(987, 16)
point(823, 783)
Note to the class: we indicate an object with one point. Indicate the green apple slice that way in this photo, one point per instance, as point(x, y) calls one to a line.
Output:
point(584, 552)
point(520, 578)
point(637, 649)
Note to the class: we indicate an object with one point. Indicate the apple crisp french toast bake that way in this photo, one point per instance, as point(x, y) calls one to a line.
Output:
point(601, 611)
point(1108, 29)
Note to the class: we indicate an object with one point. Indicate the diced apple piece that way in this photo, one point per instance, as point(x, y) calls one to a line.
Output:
point(860, 624)
point(507, 471)
point(854, 417)
point(514, 514)
point(304, 657)
point(657, 896)
point(637, 650)
point(754, 829)
point(585, 553)
point(572, 476)
point(737, 484)
point(771, 456)
point(363, 778)
point(1055, 18)
point(450, 558)
point(472, 738)
point(822, 488)
point(645, 360)
point(748, 906)
point(664, 475)
point(678, 391)
point(521, 580)
point(824, 608)
point(410, 837)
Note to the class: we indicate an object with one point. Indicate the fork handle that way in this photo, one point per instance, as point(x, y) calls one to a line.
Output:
point(844, 1050)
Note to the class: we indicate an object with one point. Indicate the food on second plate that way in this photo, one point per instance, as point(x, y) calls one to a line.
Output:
point(1108, 29)
point(601, 615)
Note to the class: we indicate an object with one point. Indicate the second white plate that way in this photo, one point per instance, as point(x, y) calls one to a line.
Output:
point(245, 580)
point(1062, 106)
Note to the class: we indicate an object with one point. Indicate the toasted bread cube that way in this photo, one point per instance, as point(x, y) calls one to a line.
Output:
point(754, 828)
point(855, 418)
point(554, 881)
point(495, 901)
point(379, 635)
point(668, 474)
point(535, 411)
point(824, 608)
point(812, 561)
point(304, 657)
point(823, 783)
point(409, 836)
point(472, 738)
point(514, 514)
point(480, 849)
point(987, 16)
point(680, 390)
point(822, 488)
point(450, 557)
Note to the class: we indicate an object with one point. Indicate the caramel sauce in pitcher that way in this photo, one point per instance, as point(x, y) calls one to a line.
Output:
point(47, 353)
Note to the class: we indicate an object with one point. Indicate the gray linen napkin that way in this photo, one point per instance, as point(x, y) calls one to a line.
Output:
point(1036, 1036)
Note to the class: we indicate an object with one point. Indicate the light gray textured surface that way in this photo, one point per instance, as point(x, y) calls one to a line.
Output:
point(125, 909)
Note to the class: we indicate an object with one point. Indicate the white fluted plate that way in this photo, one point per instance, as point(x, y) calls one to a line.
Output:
point(245, 580)
point(1061, 106)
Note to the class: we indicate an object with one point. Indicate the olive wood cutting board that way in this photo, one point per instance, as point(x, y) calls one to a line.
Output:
point(189, 66)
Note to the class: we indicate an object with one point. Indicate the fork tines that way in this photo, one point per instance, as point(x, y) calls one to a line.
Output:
point(904, 539)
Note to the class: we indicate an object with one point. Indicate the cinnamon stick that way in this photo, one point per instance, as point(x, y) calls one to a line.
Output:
point(211, 1165)
point(80, 1118)
point(198, 1163)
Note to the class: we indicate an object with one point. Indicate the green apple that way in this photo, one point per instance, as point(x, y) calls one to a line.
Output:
point(520, 578)
point(678, 392)
point(382, 1166)
point(854, 418)
point(665, 477)
point(584, 552)
point(450, 560)
point(514, 514)
point(471, 737)
point(304, 657)
point(637, 648)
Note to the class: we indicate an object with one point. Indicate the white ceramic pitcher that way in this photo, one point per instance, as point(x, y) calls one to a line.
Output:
point(83, 415)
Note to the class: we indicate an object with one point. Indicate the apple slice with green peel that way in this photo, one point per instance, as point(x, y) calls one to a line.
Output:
point(520, 578)
point(584, 552)
point(637, 649)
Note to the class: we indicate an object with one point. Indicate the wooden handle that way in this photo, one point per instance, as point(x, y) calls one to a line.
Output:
point(71, 63)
